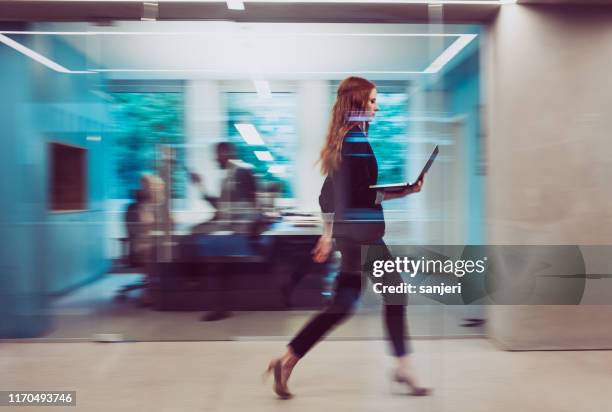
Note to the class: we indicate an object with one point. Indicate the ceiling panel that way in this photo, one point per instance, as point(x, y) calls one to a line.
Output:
point(267, 50)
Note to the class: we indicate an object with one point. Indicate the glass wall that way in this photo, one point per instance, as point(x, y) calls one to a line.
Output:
point(122, 102)
point(274, 119)
point(144, 121)
point(389, 136)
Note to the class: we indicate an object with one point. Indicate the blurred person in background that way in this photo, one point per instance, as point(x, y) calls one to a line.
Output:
point(236, 212)
point(235, 206)
point(137, 224)
point(144, 217)
point(353, 216)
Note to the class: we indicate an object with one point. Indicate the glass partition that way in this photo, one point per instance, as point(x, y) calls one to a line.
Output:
point(172, 232)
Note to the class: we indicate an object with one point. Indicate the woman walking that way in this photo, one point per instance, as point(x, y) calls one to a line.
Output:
point(353, 216)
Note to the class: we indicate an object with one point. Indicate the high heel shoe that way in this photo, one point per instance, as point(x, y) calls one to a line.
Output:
point(408, 381)
point(280, 387)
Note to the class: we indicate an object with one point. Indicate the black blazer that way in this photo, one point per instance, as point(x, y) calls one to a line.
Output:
point(346, 191)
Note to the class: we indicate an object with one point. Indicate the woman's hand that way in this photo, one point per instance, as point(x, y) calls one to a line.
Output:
point(322, 249)
point(414, 188)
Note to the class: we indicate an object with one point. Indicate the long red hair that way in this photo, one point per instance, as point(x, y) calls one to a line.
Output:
point(351, 100)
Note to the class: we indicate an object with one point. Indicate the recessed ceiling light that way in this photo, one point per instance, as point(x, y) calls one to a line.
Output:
point(450, 52)
point(264, 156)
point(249, 133)
point(150, 11)
point(235, 4)
point(37, 56)
point(263, 88)
point(277, 169)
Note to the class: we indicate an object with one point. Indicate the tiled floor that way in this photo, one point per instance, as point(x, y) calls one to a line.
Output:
point(468, 375)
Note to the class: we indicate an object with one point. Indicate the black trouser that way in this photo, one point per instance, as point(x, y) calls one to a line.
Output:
point(347, 291)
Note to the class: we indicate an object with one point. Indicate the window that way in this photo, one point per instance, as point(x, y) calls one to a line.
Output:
point(388, 136)
point(144, 120)
point(274, 119)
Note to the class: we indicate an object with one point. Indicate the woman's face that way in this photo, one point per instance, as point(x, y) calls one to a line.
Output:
point(371, 105)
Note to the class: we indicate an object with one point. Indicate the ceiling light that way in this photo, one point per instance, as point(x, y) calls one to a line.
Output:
point(150, 11)
point(277, 169)
point(249, 133)
point(263, 88)
point(264, 156)
point(450, 52)
point(235, 4)
point(36, 56)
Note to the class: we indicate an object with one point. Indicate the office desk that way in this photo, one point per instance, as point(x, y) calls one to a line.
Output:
point(243, 272)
